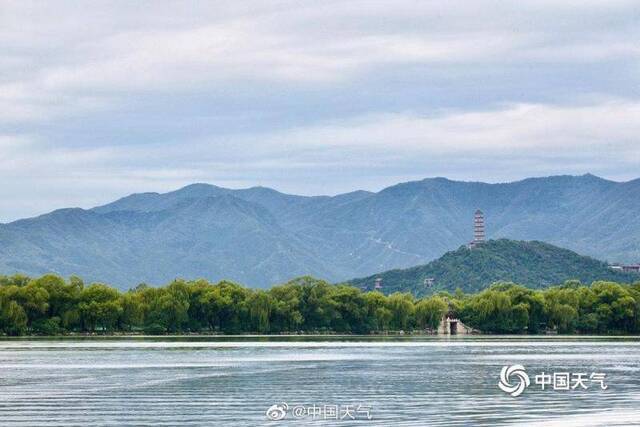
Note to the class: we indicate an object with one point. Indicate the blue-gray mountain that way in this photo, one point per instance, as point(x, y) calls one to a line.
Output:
point(259, 237)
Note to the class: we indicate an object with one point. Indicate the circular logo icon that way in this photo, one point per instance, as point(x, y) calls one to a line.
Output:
point(519, 377)
point(277, 412)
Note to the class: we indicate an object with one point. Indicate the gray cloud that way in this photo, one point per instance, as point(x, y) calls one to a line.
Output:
point(309, 97)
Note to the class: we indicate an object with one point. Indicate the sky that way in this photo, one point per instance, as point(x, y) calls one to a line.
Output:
point(102, 99)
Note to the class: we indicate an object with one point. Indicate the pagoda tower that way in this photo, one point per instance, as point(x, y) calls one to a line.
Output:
point(478, 229)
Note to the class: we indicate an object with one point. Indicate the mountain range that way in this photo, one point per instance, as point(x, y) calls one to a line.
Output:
point(532, 264)
point(259, 236)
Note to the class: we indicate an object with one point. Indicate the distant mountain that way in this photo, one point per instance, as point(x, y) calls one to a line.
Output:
point(259, 236)
point(533, 264)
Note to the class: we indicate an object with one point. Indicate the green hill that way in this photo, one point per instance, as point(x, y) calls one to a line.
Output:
point(533, 264)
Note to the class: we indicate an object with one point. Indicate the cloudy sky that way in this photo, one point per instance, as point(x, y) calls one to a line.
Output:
point(102, 99)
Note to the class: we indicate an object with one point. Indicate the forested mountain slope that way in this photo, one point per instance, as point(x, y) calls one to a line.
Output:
point(259, 236)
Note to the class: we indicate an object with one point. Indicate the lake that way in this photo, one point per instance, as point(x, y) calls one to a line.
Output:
point(365, 381)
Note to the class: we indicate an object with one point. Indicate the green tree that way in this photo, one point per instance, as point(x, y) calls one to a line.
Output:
point(99, 307)
point(260, 306)
point(173, 306)
point(402, 310)
point(430, 311)
point(378, 314)
point(13, 319)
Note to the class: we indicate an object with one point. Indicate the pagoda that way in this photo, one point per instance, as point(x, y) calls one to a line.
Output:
point(478, 230)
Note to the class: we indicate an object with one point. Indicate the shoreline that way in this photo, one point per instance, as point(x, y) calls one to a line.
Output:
point(320, 337)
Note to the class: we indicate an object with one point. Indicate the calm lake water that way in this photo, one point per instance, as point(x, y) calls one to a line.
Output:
point(234, 380)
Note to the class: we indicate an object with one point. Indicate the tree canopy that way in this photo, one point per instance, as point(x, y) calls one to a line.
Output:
point(51, 305)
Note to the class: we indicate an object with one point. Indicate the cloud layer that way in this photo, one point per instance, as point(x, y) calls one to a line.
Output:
point(309, 97)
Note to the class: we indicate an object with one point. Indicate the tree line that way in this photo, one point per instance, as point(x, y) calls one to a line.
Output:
point(51, 305)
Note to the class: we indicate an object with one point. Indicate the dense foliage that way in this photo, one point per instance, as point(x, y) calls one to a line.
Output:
point(532, 264)
point(49, 305)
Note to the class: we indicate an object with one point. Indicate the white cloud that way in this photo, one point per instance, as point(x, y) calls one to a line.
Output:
point(611, 124)
point(509, 143)
point(66, 60)
point(87, 94)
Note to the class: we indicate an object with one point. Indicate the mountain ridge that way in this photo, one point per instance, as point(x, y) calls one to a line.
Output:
point(260, 236)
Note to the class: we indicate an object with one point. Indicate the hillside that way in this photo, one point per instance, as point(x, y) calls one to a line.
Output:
point(259, 236)
point(533, 264)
